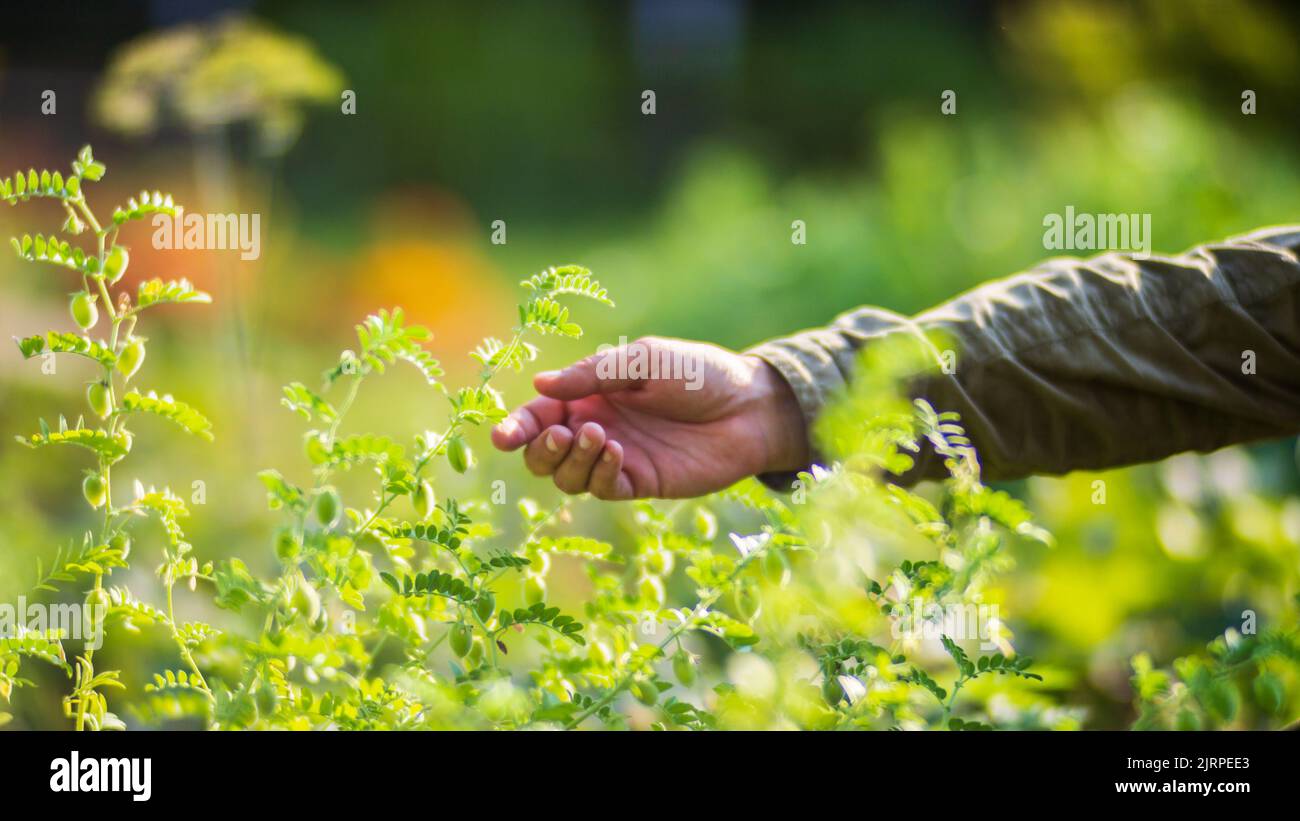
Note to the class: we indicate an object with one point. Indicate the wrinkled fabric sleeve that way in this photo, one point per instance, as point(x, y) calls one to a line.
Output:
point(1085, 365)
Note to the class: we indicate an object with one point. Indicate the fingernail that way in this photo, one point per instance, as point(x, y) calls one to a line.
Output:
point(548, 374)
point(508, 426)
point(607, 457)
point(583, 441)
point(550, 443)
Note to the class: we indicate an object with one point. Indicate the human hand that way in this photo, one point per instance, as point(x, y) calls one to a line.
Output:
point(702, 419)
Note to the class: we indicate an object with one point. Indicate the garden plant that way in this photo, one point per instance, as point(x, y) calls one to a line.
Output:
point(112, 399)
point(409, 608)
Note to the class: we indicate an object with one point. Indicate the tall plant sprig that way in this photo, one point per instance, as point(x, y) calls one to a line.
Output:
point(119, 354)
point(320, 548)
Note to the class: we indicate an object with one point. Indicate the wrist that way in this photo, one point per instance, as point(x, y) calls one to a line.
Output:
point(781, 422)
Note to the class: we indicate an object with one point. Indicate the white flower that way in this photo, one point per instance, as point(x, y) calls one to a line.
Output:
point(853, 688)
point(748, 544)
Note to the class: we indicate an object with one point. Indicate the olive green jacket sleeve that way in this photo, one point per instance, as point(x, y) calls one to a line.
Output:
point(1084, 365)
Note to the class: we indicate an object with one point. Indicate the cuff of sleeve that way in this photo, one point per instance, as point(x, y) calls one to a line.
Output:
point(813, 376)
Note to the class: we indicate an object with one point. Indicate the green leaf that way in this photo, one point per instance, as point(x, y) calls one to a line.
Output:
point(479, 404)
point(51, 249)
point(919, 676)
point(547, 316)
point(169, 508)
point(959, 656)
point(236, 586)
point(157, 292)
point(133, 612)
point(146, 205)
point(494, 355)
point(89, 558)
point(302, 400)
point(544, 616)
point(43, 646)
point(111, 447)
point(173, 680)
point(544, 314)
point(573, 546)
point(348, 451)
point(424, 363)
point(280, 493)
point(1222, 700)
point(57, 342)
point(431, 583)
point(22, 187)
point(447, 537)
point(568, 280)
point(385, 338)
point(168, 408)
point(733, 631)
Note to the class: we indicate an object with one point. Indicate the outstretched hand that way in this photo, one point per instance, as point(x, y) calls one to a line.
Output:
point(662, 418)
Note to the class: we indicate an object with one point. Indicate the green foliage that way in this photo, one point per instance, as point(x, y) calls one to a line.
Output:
point(90, 558)
point(21, 187)
point(63, 342)
point(540, 614)
point(573, 546)
point(158, 292)
point(432, 583)
point(40, 248)
point(334, 604)
point(493, 355)
point(544, 313)
point(385, 338)
point(144, 206)
point(1238, 681)
point(110, 447)
point(567, 280)
point(478, 405)
point(107, 549)
point(747, 610)
point(182, 414)
point(307, 403)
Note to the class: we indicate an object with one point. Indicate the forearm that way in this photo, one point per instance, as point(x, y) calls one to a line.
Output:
point(1100, 363)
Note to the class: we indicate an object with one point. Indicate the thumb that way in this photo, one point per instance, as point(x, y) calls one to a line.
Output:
point(598, 373)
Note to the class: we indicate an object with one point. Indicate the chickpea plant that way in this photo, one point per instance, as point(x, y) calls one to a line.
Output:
point(407, 609)
point(401, 613)
point(118, 351)
point(1239, 681)
point(330, 612)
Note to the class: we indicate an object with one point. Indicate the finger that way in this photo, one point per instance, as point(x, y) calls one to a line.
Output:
point(527, 421)
point(608, 481)
point(574, 472)
point(604, 372)
point(545, 453)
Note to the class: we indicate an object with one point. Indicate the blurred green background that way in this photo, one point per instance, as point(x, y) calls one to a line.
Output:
point(765, 113)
